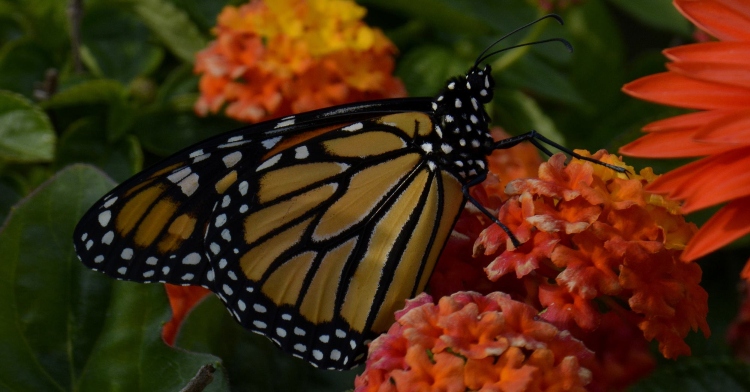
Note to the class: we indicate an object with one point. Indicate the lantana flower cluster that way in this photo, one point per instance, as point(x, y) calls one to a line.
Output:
point(591, 238)
point(276, 58)
point(472, 342)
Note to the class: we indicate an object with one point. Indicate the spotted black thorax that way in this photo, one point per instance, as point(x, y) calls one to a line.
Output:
point(463, 138)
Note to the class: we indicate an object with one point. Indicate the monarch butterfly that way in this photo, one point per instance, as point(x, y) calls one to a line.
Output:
point(314, 228)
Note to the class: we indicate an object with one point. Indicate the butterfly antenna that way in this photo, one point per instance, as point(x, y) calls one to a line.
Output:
point(561, 40)
point(482, 57)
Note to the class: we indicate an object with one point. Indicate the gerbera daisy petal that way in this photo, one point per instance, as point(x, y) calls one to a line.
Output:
point(723, 228)
point(677, 90)
point(710, 71)
point(686, 122)
point(681, 145)
point(726, 20)
point(724, 174)
point(731, 130)
point(716, 52)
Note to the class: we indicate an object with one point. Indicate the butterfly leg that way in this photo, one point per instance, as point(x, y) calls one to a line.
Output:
point(537, 139)
point(465, 190)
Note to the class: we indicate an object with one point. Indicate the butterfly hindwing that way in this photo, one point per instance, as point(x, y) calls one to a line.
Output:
point(320, 243)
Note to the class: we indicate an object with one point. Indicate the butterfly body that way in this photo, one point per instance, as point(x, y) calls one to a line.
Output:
point(312, 229)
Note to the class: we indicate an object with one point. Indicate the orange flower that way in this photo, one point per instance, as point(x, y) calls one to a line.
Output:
point(471, 342)
point(603, 240)
point(713, 77)
point(272, 59)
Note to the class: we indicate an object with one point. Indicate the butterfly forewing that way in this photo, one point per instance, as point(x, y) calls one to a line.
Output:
point(320, 244)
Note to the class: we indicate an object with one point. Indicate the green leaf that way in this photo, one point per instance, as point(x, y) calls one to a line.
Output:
point(253, 363)
point(10, 194)
point(518, 113)
point(173, 27)
point(65, 327)
point(425, 69)
point(533, 74)
point(107, 52)
point(86, 93)
point(660, 14)
point(23, 64)
point(26, 134)
point(698, 375)
point(164, 131)
point(85, 141)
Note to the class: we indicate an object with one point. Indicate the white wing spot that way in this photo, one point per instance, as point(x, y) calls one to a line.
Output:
point(215, 248)
point(241, 305)
point(259, 308)
point(84, 236)
point(427, 147)
point(234, 139)
point(232, 159)
point(324, 338)
point(353, 127)
point(148, 274)
point(226, 235)
point(243, 208)
point(340, 333)
point(269, 162)
point(152, 260)
point(104, 217)
point(187, 276)
point(473, 119)
point(353, 344)
point(299, 331)
point(301, 152)
point(122, 270)
point(108, 237)
point(285, 123)
point(227, 289)
point(99, 259)
point(317, 354)
point(189, 184)
point(243, 188)
point(201, 158)
point(90, 243)
point(451, 85)
point(192, 259)
point(225, 202)
point(179, 174)
point(335, 355)
point(281, 332)
point(196, 153)
point(110, 202)
point(286, 316)
point(222, 263)
point(446, 148)
point(220, 220)
point(210, 275)
point(475, 143)
point(127, 253)
point(458, 103)
point(165, 270)
point(259, 324)
point(475, 103)
point(300, 347)
point(269, 143)
point(432, 165)
point(448, 118)
point(232, 275)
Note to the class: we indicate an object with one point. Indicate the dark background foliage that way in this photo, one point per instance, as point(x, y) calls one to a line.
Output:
point(125, 100)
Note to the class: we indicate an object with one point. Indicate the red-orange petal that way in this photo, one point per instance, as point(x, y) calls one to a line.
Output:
point(732, 129)
point(669, 88)
point(681, 145)
point(715, 52)
point(684, 122)
point(709, 71)
point(727, 225)
point(725, 175)
point(182, 299)
point(727, 20)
